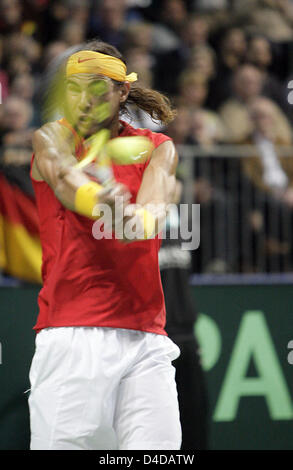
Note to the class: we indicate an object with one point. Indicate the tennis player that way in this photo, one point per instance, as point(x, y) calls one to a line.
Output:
point(102, 374)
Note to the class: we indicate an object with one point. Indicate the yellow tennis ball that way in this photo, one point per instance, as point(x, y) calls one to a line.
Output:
point(128, 150)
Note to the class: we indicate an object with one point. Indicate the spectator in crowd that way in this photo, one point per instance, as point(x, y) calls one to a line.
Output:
point(202, 60)
point(269, 172)
point(206, 128)
point(15, 132)
point(138, 51)
point(195, 32)
point(10, 16)
point(247, 84)
point(109, 21)
point(22, 54)
point(231, 55)
point(216, 60)
point(170, 63)
point(272, 18)
point(17, 114)
point(174, 15)
point(259, 53)
point(23, 86)
point(232, 51)
point(268, 182)
point(72, 33)
point(193, 89)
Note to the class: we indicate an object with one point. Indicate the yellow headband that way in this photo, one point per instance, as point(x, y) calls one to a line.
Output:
point(97, 63)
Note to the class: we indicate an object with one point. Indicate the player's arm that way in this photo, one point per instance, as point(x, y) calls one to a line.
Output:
point(157, 188)
point(54, 163)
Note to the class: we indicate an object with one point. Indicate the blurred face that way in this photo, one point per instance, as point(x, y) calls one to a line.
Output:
point(80, 12)
point(247, 83)
point(92, 102)
point(23, 86)
point(195, 94)
point(18, 65)
point(197, 32)
point(10, 11)
point(17, 114)
point(260, 52)
point(73, 34)
point(174, 11)
point(142, 37)
point(202, 62)
point(235, 42)
point(263, 117)
point(111, 11)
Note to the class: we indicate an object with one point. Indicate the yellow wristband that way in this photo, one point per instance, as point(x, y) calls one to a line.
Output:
point(149, 222)
point(86, 199)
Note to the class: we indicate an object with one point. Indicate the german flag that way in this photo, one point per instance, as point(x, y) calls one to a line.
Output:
point(20, 247)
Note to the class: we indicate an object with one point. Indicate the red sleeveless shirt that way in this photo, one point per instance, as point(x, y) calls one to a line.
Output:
point(89, 282)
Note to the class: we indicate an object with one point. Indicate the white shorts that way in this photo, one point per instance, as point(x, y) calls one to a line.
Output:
point(103, 388)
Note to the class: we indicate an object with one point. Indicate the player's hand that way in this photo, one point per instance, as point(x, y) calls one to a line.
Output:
point(116, 198)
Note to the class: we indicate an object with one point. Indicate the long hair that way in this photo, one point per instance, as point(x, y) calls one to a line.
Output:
point(155, 104)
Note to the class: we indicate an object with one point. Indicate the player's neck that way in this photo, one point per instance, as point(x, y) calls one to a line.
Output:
point(115, 127)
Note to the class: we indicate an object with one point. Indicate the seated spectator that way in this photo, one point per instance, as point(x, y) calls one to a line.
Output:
point(202, 60)
point(268, 171)
point(206, 128)
point(195, 32)
point(23, 86)
point(233, 49)
point(170, 63)
point(17, 115)
point(79, 11)
point(109, 20)
point(141, 63)
point(169, 20)
point(193, 89)
point(72, 33)
point(173, 14)
point(138, 51)
point(267, 189)
point(272, 18)
point(231, 55)
point(10, 16)
point(259, 53)
point(247, 84)
point(19, 44)
point(139, 35)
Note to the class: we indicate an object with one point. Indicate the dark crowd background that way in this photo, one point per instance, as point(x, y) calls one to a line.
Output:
point(225, 64)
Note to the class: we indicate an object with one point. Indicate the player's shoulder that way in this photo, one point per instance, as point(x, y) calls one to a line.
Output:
point(50, 132)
